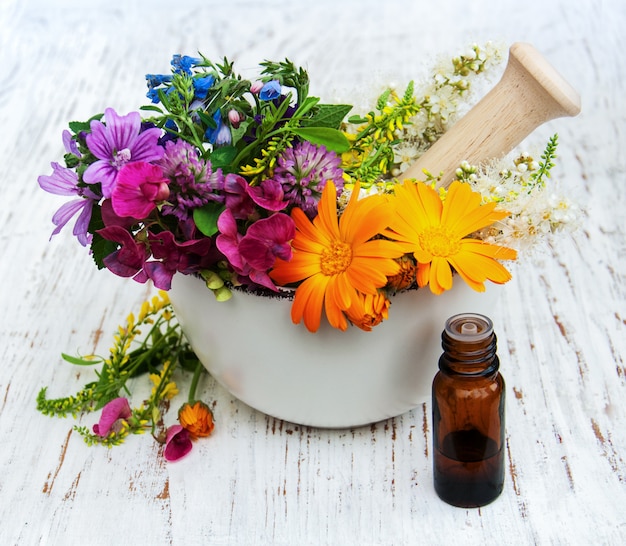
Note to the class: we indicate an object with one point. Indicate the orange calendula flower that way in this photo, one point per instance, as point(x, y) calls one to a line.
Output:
point(368, 310)
point(436, 233)
point(405, 278)
point(336, 258)
point(196, 419)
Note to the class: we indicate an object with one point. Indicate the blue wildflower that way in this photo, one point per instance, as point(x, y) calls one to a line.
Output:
point(202, 85)
point(270, 91)
point(219, 135)
point(183, 64)
point(154, 81)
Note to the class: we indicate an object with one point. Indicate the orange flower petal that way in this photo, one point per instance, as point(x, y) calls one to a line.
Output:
point(308, 301)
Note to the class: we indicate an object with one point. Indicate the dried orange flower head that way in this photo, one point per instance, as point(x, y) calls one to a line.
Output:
point(197, 419)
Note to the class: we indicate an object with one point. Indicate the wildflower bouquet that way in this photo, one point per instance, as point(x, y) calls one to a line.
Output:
point(254, 185)
point(257, 184)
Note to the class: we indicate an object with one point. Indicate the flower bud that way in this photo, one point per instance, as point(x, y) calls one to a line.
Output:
point(235, 118)
point(256, 87)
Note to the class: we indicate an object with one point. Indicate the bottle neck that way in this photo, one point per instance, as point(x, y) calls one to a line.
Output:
point(469, 358)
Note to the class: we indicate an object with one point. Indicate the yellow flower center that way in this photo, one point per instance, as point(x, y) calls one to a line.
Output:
point(336, 258)
point(439, 241)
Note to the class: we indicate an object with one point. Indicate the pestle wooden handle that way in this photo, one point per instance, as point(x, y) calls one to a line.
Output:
point(530, 93)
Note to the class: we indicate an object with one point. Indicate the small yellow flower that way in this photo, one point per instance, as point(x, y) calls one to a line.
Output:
point(169, 390)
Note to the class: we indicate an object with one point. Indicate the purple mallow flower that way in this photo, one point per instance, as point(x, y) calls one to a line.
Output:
point(303, 172)
point(117, 143)
point(64, 181)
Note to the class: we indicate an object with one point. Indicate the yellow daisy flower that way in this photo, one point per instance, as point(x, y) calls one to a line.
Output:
point(436, 231)
point(335, 258)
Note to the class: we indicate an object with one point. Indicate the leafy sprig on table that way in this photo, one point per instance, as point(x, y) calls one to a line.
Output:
point(159, 351)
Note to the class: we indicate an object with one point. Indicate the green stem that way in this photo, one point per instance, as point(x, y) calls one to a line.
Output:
point(194, 382)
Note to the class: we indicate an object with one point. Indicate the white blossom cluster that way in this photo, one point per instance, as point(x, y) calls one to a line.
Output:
point(442, 99)
point(536, 208)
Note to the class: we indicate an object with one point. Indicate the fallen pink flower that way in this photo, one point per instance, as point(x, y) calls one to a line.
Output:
point(113, 413)
point(177, 443)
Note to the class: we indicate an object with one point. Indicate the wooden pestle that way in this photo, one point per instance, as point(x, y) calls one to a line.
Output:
point(530, 93)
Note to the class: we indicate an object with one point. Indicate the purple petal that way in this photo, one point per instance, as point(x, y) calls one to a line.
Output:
point(81, 228)
point(62, 181)
point(278, 227)
point(145, 146)
point(70, 144)
point(98, 141)
point(227, 224)
point(230, 248)
point(65, 213)
point(161, 276)
point(123, 130)
point(256, 252)
point(269, 195)
point(262, 278)
point(177, 443)
point(111, 219)
point(117, 408)
point(101, 171)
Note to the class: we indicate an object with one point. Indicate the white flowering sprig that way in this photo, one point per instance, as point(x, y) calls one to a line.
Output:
point(440, 101)
point(518, 186)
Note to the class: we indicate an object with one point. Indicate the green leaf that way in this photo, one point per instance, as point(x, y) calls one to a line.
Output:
point(357, 119)
point(206, 218)
point(324, 136)
point(152, 108)
point(80, 361)
point(328, 115)
point(100, 247)
point(78, 126)
point(207, 120)
point(223, 157)
point(307, 105)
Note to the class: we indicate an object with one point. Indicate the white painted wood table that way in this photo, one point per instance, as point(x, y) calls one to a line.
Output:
point(257, 480)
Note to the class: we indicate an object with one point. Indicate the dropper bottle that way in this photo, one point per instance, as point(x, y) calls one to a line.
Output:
point(468, 414)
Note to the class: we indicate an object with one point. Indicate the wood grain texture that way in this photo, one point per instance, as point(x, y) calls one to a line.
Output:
point(561, 325)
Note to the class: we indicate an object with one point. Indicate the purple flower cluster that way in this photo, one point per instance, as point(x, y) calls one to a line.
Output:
point(303, 172)
point(138, 184)
point(193, 183)
point(167, 194)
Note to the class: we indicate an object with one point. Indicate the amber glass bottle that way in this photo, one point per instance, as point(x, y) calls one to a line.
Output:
point(468, 414)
